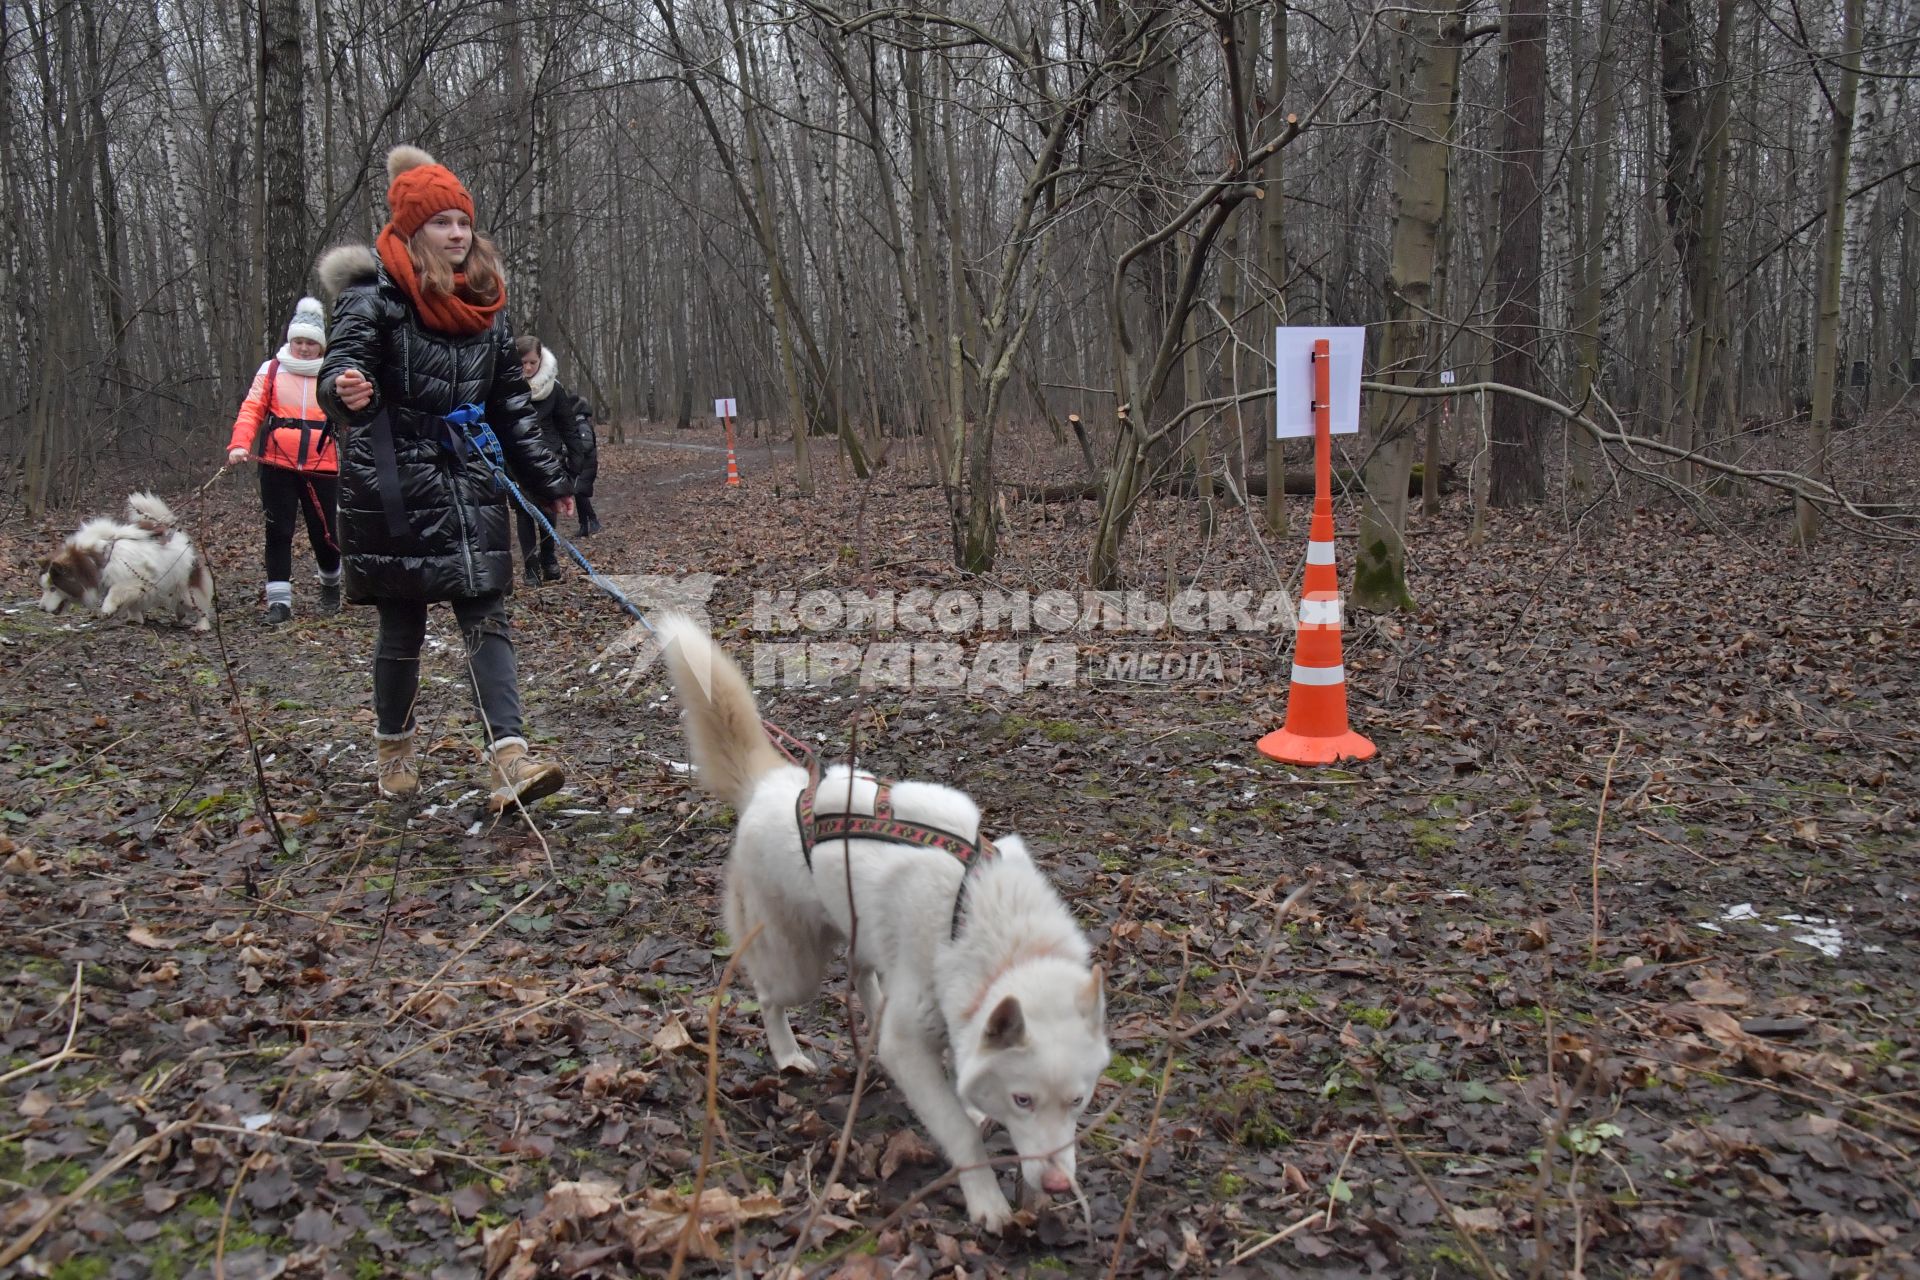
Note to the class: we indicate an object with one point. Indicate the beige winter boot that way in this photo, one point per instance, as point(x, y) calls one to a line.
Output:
point(399, 771)
point(518, 776)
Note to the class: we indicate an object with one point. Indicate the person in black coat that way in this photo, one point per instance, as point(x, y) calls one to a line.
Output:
point(566, 423)
point(419, 342)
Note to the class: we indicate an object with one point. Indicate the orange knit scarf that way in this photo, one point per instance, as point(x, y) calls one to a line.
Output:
point(450, 313)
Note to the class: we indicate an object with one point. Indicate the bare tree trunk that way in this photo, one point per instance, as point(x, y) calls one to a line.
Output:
point(1430, 40)
point(1596, 168)
point(1519, 475)
point(769, 230)
point(1273, 260)
point(1826, 326)
point(285, 132)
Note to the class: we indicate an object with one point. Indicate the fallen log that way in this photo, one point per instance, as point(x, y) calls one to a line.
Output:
point(1299, 483)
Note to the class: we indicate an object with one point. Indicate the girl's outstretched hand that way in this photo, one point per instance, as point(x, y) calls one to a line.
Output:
point(236, 456)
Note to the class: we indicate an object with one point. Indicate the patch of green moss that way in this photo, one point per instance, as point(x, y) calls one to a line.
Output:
point(1430, 837)
point(1379, 579)
point(1370, 1015)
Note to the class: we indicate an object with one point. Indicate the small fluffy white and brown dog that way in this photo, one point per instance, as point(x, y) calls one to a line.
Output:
point(129, 568)
point(955, 943)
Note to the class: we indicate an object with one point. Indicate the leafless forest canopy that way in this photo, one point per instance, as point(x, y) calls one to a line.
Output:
point(973, 216)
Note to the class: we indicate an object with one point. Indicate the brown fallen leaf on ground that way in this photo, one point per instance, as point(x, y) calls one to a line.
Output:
point(1716, 991)
point(142, 936)
point(673, 1037)
point(905, 1147)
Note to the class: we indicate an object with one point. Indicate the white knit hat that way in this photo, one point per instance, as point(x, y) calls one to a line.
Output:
point(309, 321)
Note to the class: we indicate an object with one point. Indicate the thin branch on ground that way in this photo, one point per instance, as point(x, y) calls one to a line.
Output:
point(66, 1050)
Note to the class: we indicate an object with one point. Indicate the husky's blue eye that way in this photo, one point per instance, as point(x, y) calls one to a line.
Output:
point(1024, 1101)
point(1079, 1099)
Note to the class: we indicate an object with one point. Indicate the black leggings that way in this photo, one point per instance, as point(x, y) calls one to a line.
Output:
point(583, 508)
point(489, 643)
point(544, 553)
point(283, 495)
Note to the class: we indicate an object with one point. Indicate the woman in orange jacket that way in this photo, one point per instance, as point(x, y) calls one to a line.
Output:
point(282, 427)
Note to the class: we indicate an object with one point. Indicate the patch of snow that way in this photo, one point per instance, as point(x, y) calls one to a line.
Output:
point(579, 813)
point(1819, 933)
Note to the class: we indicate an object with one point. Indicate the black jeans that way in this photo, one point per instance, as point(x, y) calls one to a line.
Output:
point(583, 508)
point(544, 554)
point(285, 494)
point(490, 664)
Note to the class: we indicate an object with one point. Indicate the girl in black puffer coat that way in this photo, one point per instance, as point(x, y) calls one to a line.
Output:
point(418, 332)
point(566, 424)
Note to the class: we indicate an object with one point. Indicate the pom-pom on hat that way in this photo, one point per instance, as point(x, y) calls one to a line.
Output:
point(309, 321)
point(418, 188)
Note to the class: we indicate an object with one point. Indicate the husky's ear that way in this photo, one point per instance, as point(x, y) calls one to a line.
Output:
point(1092, 998)
point(1006, 1026)
point(1012, 849)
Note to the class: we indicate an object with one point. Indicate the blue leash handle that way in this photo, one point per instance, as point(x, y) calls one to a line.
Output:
point(470, 420)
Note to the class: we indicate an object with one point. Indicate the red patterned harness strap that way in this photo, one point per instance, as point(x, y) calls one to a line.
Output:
point(881, 824)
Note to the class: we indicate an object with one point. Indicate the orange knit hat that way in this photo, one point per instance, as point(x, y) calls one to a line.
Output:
point(418, 188)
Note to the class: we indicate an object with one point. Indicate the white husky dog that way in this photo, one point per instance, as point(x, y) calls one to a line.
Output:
point(985, 952)
point(129, 568)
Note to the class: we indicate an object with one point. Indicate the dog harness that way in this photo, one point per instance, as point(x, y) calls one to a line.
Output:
point(884, 826)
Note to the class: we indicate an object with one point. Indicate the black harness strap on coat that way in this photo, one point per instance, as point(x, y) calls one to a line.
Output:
point(386, 467)
point(882, 825)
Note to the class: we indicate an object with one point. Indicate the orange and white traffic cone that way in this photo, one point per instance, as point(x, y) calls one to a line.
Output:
point(733, 467)
point(1316, 729)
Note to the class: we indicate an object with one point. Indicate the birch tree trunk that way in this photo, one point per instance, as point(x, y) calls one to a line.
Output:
point(1833, 239)
point(1430, 37)
point(285, 130)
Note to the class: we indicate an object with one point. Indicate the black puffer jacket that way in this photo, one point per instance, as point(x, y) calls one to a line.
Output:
point(455, 542)
point(567, 423)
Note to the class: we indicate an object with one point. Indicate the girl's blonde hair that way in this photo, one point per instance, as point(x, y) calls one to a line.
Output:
point(483, 281)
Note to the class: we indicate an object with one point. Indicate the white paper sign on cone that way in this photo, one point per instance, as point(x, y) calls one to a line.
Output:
point(725, 409)
point(1293, 379)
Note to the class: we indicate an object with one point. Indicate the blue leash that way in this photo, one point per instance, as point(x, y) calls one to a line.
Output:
point(470, 423)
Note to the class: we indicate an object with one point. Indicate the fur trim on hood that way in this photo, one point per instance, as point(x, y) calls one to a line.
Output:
point(344, 266)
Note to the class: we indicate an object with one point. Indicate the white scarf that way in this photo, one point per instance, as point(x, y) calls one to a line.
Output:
point(549, 372)
point(294, 364)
